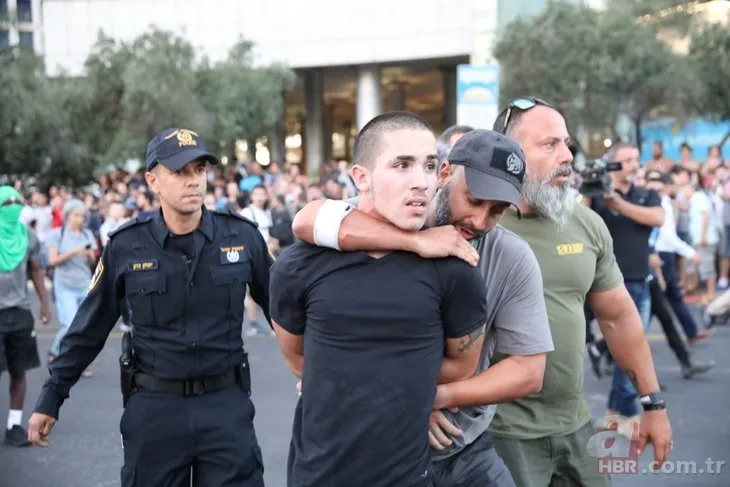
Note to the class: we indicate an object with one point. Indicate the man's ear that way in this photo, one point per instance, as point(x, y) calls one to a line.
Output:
point(153, 180)
point(361, 177)
point(445, 170)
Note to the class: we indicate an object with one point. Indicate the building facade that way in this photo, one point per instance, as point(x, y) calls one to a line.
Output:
point(353, 59)
point(21, 23)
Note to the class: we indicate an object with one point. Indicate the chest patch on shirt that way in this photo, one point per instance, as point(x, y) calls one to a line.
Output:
point(142, 265)
point(570, 249)
point(232, 255)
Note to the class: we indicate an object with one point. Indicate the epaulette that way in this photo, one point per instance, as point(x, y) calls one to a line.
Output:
point(128, 224)
point(231, 213)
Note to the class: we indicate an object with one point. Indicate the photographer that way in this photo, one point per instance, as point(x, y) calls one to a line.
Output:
point(630, 214)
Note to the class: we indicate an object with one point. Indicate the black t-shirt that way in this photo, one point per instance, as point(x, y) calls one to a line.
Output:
point(630, 239)
point(374, 332)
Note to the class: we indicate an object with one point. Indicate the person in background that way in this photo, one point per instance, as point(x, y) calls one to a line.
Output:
point(344, 178)
point(20, 250)
point(209, 201)
point(146, 205)
point(114, 219)
point(72, 253)
point(281, 229)
point(705, 238)
point(258, 212)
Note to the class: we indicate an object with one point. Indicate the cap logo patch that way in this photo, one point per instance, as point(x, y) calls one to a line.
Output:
point(184, 137)
point(515, 164)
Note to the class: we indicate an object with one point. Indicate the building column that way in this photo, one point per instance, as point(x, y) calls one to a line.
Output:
point(449, 87)
point(398, 97)
point(277, 136)
point(39, 40)
point(327, 126)
point(13, 34)
point(313, 125)
point(368, 94)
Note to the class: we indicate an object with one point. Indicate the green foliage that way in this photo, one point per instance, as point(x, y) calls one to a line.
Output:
point(68, 128)
point(596, 65)
point(709, 53)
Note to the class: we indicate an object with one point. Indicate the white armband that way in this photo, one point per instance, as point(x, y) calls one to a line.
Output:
point(328, 222)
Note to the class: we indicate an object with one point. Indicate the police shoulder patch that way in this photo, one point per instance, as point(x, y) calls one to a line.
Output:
point(97, 276)
point(127, 225)
point(231, 213)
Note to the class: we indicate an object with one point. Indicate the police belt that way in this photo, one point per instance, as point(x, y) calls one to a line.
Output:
point(190, 387)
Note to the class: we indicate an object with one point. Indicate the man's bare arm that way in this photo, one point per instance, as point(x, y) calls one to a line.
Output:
point(461, 356)
point(292, 347)
point(360, 231)
point(621, 326)
point(511, 378)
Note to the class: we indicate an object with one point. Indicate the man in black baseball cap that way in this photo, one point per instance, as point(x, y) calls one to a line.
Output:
point(175, 148)
point(176, 162)
point(494, 165)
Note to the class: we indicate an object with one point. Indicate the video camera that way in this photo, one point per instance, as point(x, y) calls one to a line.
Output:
point(594, 176)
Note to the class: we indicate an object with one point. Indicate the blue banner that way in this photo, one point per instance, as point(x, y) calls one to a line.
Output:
point(477, 95)
point(699, 134)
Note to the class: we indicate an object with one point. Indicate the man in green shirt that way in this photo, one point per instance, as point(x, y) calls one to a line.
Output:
point(543, 438)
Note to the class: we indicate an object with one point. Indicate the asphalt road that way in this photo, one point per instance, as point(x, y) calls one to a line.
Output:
point(85, 448)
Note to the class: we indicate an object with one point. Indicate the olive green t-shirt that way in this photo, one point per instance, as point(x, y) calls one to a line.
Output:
point(574, 260)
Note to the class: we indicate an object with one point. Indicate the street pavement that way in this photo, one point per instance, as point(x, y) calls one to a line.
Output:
point(85, 447)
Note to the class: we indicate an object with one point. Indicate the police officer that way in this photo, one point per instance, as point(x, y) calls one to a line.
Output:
point(183, 272)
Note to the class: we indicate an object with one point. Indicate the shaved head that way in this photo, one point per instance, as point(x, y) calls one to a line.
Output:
point(369, 140)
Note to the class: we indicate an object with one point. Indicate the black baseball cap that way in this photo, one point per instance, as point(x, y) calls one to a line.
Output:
point(175, 148)
point(494, 165)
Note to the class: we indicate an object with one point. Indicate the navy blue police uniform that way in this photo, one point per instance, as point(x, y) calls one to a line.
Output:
point(191, 412)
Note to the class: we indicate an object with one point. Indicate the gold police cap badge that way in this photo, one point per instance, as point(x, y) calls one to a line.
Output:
point(184, 137)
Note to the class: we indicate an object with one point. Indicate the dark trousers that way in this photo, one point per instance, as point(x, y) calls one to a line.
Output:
point(660, 308)
point(674, 294)
point(477, 465)
point(166, 436)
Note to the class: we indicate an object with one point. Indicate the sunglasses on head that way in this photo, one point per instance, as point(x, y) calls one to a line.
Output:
point(522, 104)
point(12, 201)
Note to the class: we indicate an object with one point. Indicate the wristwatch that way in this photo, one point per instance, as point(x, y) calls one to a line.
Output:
point(653, 402)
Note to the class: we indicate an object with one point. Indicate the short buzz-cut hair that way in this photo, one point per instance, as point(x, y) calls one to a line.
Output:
point(443, 145)
point(367, 142)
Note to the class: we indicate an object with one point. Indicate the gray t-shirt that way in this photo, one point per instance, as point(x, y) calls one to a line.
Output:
point(75, 272)
point(14, 284)
point(517, 321)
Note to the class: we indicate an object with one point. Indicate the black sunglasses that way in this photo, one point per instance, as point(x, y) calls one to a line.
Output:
point(12, 201)
point(522, 104)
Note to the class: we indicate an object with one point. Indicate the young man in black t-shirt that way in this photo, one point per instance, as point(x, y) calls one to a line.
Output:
point(380, 330)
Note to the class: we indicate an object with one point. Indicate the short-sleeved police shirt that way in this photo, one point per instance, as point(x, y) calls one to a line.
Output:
point(630, 239)
point(374, 332)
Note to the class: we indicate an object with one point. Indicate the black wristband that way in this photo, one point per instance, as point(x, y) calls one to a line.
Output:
point(653, 402)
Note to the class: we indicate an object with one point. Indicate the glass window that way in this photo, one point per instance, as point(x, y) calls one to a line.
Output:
point(4, 39)
point(3, 9)
point(25, 11)
point(26, 39)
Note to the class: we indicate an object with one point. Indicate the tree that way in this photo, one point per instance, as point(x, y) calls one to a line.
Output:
point(639, 72)
point(539, 57)
point(244, 102)
point(709, 53)
point(594, 65)
point(27, 112)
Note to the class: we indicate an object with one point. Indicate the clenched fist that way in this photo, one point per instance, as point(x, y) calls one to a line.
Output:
point(39, 428)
